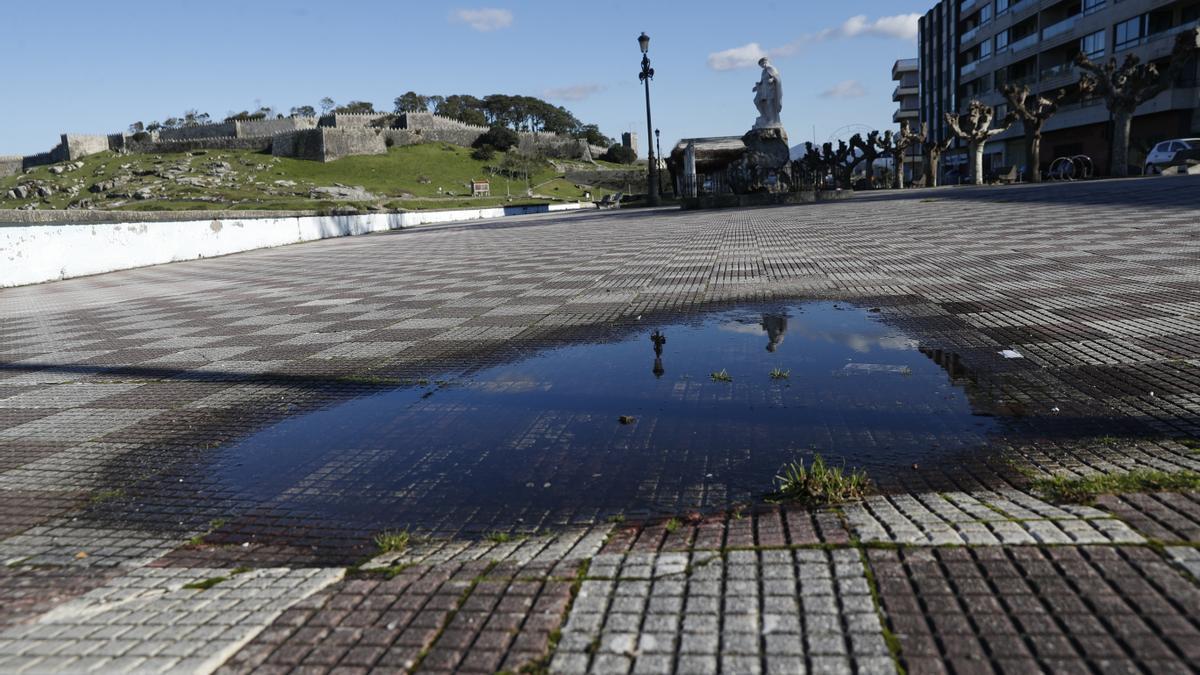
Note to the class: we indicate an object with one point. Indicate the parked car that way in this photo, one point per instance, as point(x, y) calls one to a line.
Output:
point(1164, 153)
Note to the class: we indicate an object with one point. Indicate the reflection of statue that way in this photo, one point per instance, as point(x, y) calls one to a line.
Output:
point(776, 326)
point(768, 96)
point(659, 340)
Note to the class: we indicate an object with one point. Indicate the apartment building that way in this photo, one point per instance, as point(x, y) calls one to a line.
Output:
point(906, 96)
point(1034, 42)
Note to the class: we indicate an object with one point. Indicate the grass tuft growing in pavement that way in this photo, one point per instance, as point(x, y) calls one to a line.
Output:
point(818, 483)
point(1085, 490)
point(780, 374)
point(205, 584)
point(721, 376)
point(107, 495)
point(392, 542)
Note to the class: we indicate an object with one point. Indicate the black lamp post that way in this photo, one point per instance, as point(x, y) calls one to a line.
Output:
point(658, 148)
point(645, 76)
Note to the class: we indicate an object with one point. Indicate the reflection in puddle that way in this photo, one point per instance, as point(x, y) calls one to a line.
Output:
point(541, 440)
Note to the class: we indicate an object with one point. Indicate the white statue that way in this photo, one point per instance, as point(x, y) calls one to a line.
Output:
point(768, 97)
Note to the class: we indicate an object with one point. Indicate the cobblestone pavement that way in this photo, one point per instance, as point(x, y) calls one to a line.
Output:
point(117, 393)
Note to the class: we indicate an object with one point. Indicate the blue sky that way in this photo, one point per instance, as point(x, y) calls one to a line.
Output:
point(93, 67)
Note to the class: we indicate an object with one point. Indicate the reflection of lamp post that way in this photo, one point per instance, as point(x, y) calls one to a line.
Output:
point(645, 76)
point(659, 340)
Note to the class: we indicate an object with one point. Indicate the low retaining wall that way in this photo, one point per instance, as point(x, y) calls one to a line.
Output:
point(32, 253)
point(730, 201)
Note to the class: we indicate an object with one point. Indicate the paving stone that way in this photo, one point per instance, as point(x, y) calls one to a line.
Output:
point(116, 387)
point(160, 596)
point(952, 623)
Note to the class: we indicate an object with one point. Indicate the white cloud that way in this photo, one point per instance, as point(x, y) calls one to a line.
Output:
point(576, 92)
point(483, 19)
point(900, 26)
point(738, 57)
point(845, 89)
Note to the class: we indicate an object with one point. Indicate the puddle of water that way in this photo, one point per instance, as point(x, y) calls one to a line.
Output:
point(673, 417)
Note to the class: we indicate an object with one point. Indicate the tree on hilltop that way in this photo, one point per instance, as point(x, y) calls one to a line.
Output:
point(411, 101)
point(304, 111)
point(245, 115)
point(356, 108)
point(591, 134)
point(327, 105)
point(498, 138)
point(464, 108)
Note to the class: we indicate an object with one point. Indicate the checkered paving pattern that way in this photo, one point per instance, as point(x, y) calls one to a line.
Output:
point(152, 621)
point(1029, 609)
point(117, 391)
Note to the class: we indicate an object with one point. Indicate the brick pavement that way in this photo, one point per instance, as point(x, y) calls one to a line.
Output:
point(116, 391)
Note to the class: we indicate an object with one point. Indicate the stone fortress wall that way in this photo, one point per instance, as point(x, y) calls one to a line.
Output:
point(326, 144)
point(322, 139)
point(215, 130)
point(11, 165)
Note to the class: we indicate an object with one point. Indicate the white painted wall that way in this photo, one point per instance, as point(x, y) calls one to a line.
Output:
point(34, 253)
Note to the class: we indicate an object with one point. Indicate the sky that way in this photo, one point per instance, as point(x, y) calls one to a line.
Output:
point(82, 66)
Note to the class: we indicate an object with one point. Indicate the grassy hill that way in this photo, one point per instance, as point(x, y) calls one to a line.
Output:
point(428, 176)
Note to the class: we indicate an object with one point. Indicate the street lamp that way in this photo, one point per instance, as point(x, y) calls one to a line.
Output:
point(645, 76)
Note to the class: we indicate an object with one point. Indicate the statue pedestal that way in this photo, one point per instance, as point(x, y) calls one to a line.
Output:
point(764, 167)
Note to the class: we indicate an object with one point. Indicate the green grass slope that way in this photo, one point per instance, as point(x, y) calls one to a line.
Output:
point(427, 176)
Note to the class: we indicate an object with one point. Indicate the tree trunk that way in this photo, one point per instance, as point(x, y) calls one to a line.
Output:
point(899, 162)
point(1034, 156)
point(935, 159)
point(1120, 144)
point(977, 162)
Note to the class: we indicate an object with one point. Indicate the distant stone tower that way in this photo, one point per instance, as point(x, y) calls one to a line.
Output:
point(629, 139)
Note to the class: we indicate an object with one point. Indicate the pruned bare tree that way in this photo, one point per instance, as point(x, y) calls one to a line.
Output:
point(1033, 110)
point(901, 142)
point(933, 155)
point(839, 161)
point(869, 152)
point(975, 127)
point(1129, 85)
point(898, 144)
point(887, 147)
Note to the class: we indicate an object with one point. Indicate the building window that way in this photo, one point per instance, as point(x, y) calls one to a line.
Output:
point(1090, 6)
point(1129, 33)
point(1092, 45)
point(985, 49)
point(1001, 111)
point(1001, 41)
point(985, 14)
point(1001, 7)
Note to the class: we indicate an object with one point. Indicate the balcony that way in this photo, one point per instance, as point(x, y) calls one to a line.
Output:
point(904, 65)
point(966, 6)
point(905, 114)
point(969, 35)
point(1060, 27)
point(1063, 71)
point(968, 69)
point(1172, 32)
point(902, 91)
point(1019, 81)
point(1020, 6)
point(1024, 43)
